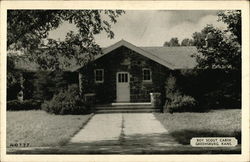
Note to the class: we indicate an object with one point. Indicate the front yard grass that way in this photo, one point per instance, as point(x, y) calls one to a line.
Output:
point(38, 128)
point(216, 123)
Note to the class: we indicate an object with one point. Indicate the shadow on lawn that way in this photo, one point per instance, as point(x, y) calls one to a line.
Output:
point(184, 136)
point(133, 144)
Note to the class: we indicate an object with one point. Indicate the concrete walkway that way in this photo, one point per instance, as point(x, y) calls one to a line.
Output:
point(122, 133)
point(142, 124)
point(101, 127)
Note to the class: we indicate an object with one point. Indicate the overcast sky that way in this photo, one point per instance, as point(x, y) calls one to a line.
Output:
point(151, 28)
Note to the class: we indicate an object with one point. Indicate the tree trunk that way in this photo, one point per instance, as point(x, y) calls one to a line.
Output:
point(80, 82)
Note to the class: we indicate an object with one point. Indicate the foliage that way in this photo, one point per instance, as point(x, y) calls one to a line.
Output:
point(175, 42)
point(175, 100)
point(12, 75)
point(44, 85)
point(171, 86)
point(199, 39)
point(47, 84)
point(13, 78)
point(67, 101)
point(13, 89)
point(12, 92)
point(18, 80)
point(41, 85)
point(212, 88)
point(28, 85)
point(15, 105)
point(181, 103)
point(187, 42)
point(233, 19)
point(27, 30)
point(15, 85)
point(223, 98)
point(172, 43)
point(220, 48)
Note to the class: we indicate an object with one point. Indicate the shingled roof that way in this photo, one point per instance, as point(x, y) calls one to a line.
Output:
point(170, 57)
point(181, 57)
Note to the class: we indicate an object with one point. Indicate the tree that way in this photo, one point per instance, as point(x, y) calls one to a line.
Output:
point(166, 44)
point(48, 83)
point(172, 43)
point(220, 48)
point(13, 78)
point(27, 30)
point(187, 42)
point(199, 39)
point(233, 19)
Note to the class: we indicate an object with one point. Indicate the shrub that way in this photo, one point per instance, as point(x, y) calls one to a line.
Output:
point(175, 100)
point(14, 105)
point(66, 102)
point(181, 103)
point(171, 85)
point(212, 88)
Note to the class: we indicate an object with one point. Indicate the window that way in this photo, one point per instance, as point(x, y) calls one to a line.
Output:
point(147, 75)
point(99, 75)
point(122, 77)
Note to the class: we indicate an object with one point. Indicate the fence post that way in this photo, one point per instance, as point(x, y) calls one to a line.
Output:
point(155, 99)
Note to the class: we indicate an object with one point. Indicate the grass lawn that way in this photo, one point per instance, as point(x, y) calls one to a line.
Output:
point(216, 123)
point(39, 128)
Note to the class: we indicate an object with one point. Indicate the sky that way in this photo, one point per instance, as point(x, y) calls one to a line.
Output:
point(151, 27)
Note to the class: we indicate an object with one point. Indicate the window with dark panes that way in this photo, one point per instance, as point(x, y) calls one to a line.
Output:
point(147, 75)
point(99, 75)
point(122, 77)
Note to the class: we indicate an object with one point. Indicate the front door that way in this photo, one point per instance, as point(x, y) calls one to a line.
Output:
point(122, 87)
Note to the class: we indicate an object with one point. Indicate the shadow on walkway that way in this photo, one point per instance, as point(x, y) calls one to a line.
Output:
point(134, 144)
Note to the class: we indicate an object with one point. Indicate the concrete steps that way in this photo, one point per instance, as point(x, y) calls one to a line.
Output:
point(126, 108)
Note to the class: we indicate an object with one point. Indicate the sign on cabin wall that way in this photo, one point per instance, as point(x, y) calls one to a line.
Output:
point(126, 61)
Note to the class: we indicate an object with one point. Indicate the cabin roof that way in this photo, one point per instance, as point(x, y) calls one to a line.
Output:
point(170, 57)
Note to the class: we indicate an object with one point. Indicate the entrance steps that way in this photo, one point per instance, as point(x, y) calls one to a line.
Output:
point(126, 108)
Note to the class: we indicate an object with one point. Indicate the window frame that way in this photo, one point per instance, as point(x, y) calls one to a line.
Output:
point(150, 75)
point(99, 81)
point(123, 80)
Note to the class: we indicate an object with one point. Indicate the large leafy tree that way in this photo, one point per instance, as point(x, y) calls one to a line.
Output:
point(220, 48)
point(27, 30)
point(233, 19)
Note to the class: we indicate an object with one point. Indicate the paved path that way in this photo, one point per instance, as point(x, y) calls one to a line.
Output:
point(142, 124)
point(100, 127)
point(110, 126)
point(122, 133)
